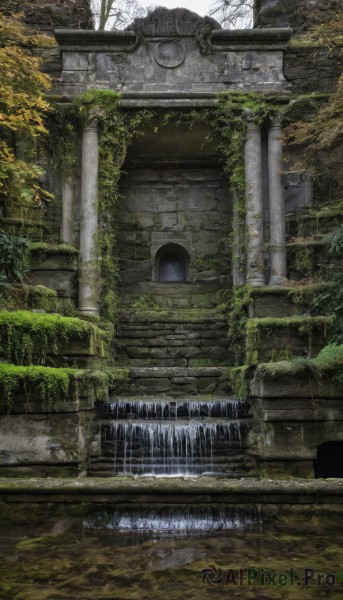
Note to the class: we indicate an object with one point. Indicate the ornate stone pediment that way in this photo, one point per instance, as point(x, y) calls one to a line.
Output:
point(175, 22)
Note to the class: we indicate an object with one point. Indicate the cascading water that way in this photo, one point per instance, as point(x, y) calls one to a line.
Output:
point(175, 520)
point(168, 437)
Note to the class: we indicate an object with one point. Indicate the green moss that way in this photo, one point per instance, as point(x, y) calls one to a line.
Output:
point(47, 249)
point(239, 303)
point(239, 379)
point(260, 330)
point(330, 358)
point(328, 362)
point(146, 302)
point(47, 384)
point(21, 296)
point(52, 385)
point(25, 337)
point(305, 106)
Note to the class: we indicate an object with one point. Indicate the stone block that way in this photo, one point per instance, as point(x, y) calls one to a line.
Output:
point(53, 262)
point(48, 440)
point(64, 282)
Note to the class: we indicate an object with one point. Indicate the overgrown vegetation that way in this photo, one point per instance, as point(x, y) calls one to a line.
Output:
point(22, 113)
point(259, 331)
point(46, 384)
point(328, 363)
point(26, 337)
point(318, 140)
point(50, 385)
point(329, 299)
point(13, 257)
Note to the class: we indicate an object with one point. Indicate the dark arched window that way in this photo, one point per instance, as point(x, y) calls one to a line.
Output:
point(172, 264)
point(329, 461)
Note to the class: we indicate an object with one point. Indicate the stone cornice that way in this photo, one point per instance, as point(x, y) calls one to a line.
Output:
point(77, 40)
point(250, 39)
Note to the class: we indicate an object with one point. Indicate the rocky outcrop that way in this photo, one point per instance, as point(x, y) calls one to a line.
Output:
point(47, 15)
point(298, 14)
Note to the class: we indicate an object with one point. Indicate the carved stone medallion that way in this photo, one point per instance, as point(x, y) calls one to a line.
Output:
point(169, 53)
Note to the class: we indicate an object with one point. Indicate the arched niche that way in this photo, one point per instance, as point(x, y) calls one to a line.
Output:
point(172, 264)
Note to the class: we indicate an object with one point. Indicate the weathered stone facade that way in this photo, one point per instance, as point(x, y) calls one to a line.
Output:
point(176, 211)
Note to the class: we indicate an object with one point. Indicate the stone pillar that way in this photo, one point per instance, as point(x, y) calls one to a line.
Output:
point(88, 269)
point(237, 251)
point(277, 224)
point(66, 232)
point(254, 206)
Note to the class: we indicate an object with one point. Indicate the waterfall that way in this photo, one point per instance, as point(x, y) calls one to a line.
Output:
point(161, 410)
point(175, 520)
point(172, 437)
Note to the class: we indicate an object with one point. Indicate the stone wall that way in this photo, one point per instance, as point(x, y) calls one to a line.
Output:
point(47, 15)
point(312, 70)
point(41, 440)
point(174, 192)
point(300, 15)
point(307, 69)
point(297, 411)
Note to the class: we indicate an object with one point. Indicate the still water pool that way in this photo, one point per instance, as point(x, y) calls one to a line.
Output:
point(79, 559)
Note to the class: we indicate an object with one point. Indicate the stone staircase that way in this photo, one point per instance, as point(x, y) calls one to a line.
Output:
point(178, 338)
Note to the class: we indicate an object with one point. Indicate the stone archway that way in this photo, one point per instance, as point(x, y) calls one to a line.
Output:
point(172, 264)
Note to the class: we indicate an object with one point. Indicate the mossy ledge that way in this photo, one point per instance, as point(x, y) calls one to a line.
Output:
point(47, 249)
point(22, 296)
point(26, 337)
point(328, 362)
point(52, 385)
point(262, 334)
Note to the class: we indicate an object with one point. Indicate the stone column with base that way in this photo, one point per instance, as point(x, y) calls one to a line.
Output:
point(254, 206)
point(277, 224)
point(88, 266)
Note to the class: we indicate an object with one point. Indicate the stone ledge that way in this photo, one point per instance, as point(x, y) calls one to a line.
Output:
point(253, 39)
point(78, 40)
point(177, 372)
point(188, 490)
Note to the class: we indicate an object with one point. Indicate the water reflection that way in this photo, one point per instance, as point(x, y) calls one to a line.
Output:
point(58, 561)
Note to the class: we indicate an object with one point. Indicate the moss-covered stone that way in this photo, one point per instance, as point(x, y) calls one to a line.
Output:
point(27, 337)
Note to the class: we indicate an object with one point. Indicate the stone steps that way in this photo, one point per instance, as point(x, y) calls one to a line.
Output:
point(237, 465)
point(170, 296)
point(177, 339)
point(313, 222)
point(174, 381)
point(306, 258)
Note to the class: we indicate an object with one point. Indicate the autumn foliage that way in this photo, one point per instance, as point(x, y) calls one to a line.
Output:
point(22, 110)
point(320, 140)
